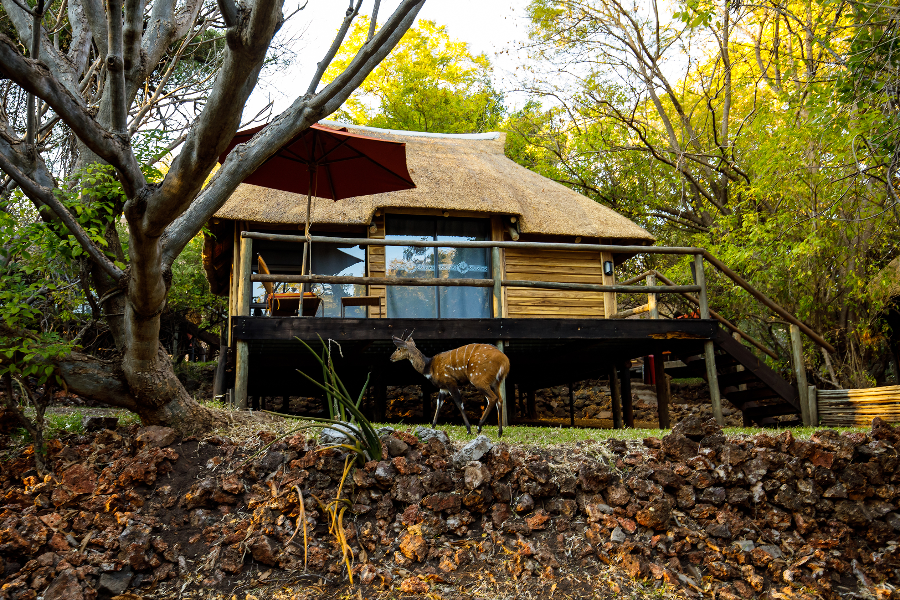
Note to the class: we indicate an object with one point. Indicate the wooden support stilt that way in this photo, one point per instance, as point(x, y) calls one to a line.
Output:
point(709, 349)
point(663, 393)
point(497, 309)
point(813, 399)
point(572, 405)
point(627, 401)
point(800, 374)
point(615, 393)
point(532, 405)
point(242, 375)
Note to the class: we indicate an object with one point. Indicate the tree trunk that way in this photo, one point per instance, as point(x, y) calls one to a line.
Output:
point(159, 400)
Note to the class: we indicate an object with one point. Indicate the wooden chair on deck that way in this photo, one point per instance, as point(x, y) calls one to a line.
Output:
point(287, 304)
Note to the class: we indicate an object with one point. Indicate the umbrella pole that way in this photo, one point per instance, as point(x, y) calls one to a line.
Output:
point(307, 247)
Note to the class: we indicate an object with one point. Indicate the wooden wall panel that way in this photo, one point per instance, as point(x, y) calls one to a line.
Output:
point(376, 268)
point(555, 265)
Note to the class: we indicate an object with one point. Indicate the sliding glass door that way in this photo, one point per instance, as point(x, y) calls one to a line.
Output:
point(447, 263)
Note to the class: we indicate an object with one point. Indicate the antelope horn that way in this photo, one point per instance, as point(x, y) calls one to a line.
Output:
point(410, 334)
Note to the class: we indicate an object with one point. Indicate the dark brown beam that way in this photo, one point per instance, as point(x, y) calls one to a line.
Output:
point(615, 392)
point(627, 400)
point(639, 330)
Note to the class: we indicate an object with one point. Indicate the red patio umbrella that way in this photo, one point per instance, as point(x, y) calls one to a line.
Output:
point(330, 163)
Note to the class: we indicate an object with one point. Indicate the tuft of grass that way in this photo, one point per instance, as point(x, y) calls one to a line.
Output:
point(216, 403)
point(545, 437)
point(59, 423)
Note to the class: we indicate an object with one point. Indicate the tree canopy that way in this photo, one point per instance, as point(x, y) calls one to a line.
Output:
point(430, 82)
point(765, 133)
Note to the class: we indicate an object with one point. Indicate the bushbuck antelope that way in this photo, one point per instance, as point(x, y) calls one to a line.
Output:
point(482, 365)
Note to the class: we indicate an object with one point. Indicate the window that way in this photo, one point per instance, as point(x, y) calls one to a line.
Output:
point(447, 263)
point(327, 259)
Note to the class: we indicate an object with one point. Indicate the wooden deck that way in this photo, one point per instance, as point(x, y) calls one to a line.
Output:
point(543, 352)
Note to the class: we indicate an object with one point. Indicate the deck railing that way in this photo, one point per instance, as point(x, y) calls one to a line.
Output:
point(497, 283)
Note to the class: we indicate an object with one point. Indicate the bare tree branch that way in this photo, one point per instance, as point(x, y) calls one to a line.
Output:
point(245, 159)
point(229, 12)
point(34, 78)
point(335, 46)
point(115, 66)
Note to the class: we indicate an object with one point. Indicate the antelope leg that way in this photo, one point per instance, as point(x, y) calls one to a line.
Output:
point(454, 393)
point(492, 399)
point(440, 402)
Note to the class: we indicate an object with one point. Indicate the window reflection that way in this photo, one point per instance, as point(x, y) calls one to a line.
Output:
point(447, 263)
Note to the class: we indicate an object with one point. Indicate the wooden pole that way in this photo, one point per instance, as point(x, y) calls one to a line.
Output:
point(609, 298)
point(627, 400)
point(572, 405)
point(651, 298)
point(243, 309)
point(663, 392)
point(497, 305)
point(532, 405)
point(800, 373)
point(615, 393)
point(813, 398)
point(709, 348)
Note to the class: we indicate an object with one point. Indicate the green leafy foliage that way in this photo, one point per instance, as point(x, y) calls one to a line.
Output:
point(774, 146)
point(429, 82)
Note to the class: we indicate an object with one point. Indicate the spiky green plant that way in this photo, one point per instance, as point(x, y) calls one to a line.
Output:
point(343, 409)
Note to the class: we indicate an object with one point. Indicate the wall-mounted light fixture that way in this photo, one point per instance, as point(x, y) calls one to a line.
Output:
point(608, 268)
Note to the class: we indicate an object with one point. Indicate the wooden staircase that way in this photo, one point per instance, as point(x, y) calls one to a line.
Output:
point(746, 381)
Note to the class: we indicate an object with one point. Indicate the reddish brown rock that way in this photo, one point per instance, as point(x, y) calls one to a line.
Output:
point(500, 513)
point(80, 479)
point(155, 437)
point(538, 520)
point(413, 585)
point(413, 545)
point(656, 515)
point(443, 501)
point(263, 549)
point(679, 447)
point(65, 587)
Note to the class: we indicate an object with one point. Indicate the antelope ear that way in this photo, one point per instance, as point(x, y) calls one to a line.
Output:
point(399, 343)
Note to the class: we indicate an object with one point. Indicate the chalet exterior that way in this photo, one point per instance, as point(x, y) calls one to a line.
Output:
point(466, 190)
point(528, 265)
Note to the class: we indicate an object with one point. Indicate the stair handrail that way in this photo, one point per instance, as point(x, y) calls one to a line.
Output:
point(768, 302)
point(691, 298)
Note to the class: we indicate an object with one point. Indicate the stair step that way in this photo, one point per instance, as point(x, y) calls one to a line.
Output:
point(741, 398)
point(736, 378)
point(686, 372)
point(758, 413)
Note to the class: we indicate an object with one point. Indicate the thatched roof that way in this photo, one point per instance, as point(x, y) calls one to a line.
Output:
point(454, 173)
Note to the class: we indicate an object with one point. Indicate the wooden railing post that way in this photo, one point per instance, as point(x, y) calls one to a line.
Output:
point(652, 298)
point(608, 265)
point(800, 373)
point(813, 398)
point(712, 376)
point(243, 309)
point(497, 273)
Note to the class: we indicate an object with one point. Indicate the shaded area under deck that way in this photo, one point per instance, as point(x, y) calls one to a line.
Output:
point(542, 352)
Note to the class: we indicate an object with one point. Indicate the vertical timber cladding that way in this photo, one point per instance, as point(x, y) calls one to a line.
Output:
point(375, 266)
point(565, 266)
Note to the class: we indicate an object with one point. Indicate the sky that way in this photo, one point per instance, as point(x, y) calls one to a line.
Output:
point(495, 27)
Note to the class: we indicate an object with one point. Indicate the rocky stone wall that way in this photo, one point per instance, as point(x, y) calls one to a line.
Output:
point(762, 516)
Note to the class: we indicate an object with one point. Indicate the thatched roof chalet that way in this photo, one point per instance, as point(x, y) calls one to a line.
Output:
point(459, 173)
